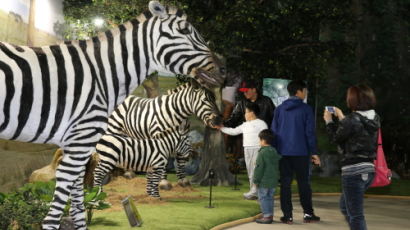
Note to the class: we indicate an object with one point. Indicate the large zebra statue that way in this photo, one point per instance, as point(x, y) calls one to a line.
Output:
point(142, 155)
point(63, 94)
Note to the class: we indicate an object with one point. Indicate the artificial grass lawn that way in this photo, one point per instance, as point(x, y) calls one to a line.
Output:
point(184, 213)
point(186, 209)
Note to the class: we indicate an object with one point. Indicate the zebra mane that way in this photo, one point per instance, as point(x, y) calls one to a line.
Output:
point(144, 16)
point(179, 88)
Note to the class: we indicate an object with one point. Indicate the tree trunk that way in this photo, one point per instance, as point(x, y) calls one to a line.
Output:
point(214, 157)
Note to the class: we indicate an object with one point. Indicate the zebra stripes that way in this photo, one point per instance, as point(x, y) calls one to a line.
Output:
point(142, 118)
point(63, 94)
point(143, 155)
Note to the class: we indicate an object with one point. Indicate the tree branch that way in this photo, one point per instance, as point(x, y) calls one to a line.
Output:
point(284, 50)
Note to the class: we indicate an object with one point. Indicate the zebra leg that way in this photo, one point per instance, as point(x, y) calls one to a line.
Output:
point(77, 209)
point(149, 183)
point(67, 172)
point(156, 177)
point(102, 169)
point(182, 181)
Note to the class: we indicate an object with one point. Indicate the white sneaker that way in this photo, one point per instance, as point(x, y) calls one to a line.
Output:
point(250, 196)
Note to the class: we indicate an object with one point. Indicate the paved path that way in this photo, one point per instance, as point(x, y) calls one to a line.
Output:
point(381, 214)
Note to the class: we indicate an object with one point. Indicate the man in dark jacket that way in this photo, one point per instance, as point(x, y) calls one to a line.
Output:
point(294, 128)
point(251, 94)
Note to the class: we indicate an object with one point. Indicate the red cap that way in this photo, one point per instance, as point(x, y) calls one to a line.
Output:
point(246, 85)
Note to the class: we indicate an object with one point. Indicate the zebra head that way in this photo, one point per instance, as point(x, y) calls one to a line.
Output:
point(197, 100)
point(178, 48)
point(204, 105)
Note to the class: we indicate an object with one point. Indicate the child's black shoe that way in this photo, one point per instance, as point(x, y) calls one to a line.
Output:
point(286, 220)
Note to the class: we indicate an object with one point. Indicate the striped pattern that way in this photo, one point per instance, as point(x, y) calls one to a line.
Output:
point(143, 132)
point(143, 118)
point(143, 155)
point(63, 94)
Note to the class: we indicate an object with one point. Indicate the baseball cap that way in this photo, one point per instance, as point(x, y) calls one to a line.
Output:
point(246, 85)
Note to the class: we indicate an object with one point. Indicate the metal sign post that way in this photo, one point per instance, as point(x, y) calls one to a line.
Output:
point(211, 175)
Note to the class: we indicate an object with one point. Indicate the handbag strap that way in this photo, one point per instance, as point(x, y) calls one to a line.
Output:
point(379, 139)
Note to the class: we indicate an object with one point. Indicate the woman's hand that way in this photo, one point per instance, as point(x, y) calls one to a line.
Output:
point(327, 116)
point(339, 114)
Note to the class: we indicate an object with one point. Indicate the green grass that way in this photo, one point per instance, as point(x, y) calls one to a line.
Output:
point(187, 214)
point(184, 213)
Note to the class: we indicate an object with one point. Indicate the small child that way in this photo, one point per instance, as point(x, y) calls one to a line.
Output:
point(266, 175)
point(250, 130)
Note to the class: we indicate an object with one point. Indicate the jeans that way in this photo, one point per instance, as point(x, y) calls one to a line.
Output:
point(299, 165)
point(351, 201)
point(265, 197)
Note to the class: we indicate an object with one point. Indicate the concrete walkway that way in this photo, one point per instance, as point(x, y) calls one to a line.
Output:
point(380, 213)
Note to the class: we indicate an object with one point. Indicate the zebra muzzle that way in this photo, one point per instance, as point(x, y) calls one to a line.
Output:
point(208, 79)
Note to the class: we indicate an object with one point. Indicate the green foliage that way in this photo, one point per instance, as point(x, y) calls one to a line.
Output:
point(92, 202)
point(25, 208)
point(259, 38)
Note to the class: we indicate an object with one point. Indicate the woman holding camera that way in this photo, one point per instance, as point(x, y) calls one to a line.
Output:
point(356, 135)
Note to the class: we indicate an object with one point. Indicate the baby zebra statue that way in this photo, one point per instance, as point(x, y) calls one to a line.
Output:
point(155, 126)
point(142, 155)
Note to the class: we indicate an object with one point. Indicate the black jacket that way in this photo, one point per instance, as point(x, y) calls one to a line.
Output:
point(357, 137)
point(266, 110)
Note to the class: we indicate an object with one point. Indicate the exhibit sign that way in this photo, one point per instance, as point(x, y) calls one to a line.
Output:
point(275, 89)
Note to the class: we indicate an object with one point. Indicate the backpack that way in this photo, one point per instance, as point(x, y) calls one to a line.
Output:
point(383, 174)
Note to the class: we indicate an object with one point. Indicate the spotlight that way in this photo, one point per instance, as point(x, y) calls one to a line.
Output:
point(98, 22)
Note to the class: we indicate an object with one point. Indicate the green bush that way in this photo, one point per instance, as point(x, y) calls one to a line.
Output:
point(27, 207)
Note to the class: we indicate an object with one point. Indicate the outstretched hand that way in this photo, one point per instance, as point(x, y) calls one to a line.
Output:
point(218, 127)
point(316, 160)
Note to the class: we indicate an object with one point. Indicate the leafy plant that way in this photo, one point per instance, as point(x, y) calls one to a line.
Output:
point(25, 208)
point(93, 201)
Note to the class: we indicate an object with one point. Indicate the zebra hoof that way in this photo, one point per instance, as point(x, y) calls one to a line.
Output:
point(165, 185)
point(67, 224)
point(154, 197)
point(184, 183)
point(129, 175)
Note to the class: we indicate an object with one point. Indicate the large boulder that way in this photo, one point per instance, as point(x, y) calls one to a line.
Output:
point(48, 172)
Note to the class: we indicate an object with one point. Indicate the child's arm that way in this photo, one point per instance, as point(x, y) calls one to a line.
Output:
point(232, 131)
point(259, 169)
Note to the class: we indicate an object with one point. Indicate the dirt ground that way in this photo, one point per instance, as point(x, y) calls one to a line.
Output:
point(120, 188)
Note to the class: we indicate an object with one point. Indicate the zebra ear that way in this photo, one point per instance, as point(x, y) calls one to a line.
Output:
point(157, 9)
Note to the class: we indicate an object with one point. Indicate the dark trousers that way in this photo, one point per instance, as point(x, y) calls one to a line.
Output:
point(299, 165)
point(351, 201)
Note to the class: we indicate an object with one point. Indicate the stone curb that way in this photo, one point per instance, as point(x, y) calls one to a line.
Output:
point(236, 222)
point(251, 219)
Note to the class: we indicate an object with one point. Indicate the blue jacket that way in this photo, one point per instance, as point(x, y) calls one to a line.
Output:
point(294, 128)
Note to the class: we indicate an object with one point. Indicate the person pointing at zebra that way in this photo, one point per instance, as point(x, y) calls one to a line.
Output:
point(250, 130)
